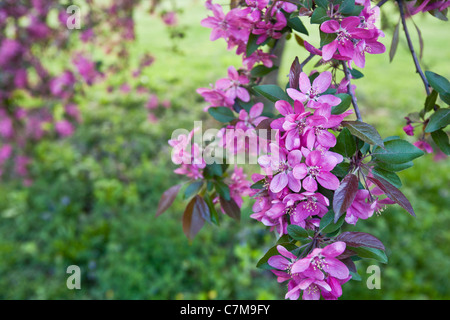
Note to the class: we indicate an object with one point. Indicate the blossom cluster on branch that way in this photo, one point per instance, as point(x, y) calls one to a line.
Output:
point(319, 169)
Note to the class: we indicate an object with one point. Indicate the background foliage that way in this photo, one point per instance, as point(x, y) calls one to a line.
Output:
point(94, 195)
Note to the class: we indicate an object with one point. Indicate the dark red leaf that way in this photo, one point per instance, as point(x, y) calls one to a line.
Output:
point(167, 198)
point(346, 254)
point(350, 264)
point(264, 125)
point(194, 216)
point(393, 193)
point(231, 208)
point(358, 239)
point(344, 195)
point(294, 74)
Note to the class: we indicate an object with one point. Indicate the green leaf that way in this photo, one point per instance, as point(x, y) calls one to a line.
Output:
point(213, 170)
point(364, 131)
point(442, 141)
point(322, 3)
point(214, 215)
point(251, 44)
point(261, 71)
point(346, 101)
point(319, 16)
point(430, 101)
point(397, 151)
point(347, 7)
point(297, 232)
point(222, 114)
point(356, 74)
point(332, 227)
point(326, 38)
point(297, 25)
point(440, 84)
point(439, 119)
point(223, 190)
point(193, 188)
point(341, 169)
point(258, 185)
point(394, 167)
point(271, 92)
point(370, 253)
point(326, 220)
point(345, 144)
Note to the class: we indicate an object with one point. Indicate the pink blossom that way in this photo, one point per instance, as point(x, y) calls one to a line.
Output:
point(252, 118)
point(239, 186)
point(259, 56)
point(267, 31)
point(347, 30)
point(409, 130)
point(215, 97)
point(9, 50)
point(317, 168)
point(152, 102)
point(64, 128)
point(294, 123)
point(62, 86)
point(323, 260)
point(282, 163)
point(311, 93)
point(232, 86)
point(423, 145)
point(361, 207)
point(5, 153)
point(369, 46)
point(307, 204)
point(170, 18)
point(86, 68)
point(282, 262)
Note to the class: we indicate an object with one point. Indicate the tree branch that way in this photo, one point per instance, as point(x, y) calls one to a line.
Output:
point(350, 92)
point(411, 47)
point(306, 60)
point(379, 4)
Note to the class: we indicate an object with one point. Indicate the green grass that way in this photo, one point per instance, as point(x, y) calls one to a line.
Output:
point(94, 195)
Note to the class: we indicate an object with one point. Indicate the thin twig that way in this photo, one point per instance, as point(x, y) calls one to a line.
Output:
point(306, 60)
point(350, 92)
point(411, 47)
point(379, 4)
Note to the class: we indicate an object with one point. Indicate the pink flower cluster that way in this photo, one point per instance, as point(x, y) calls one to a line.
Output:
point(188, 154)
point(236, 27)
point(318, 274)
point(354, 37)
point(300, 162)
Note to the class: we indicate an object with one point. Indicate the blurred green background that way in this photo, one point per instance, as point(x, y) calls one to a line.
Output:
point(94, 195)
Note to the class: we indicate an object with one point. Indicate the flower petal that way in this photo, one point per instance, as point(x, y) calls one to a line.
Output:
point(328, 180)
point(322, 82)
point(279, 182)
